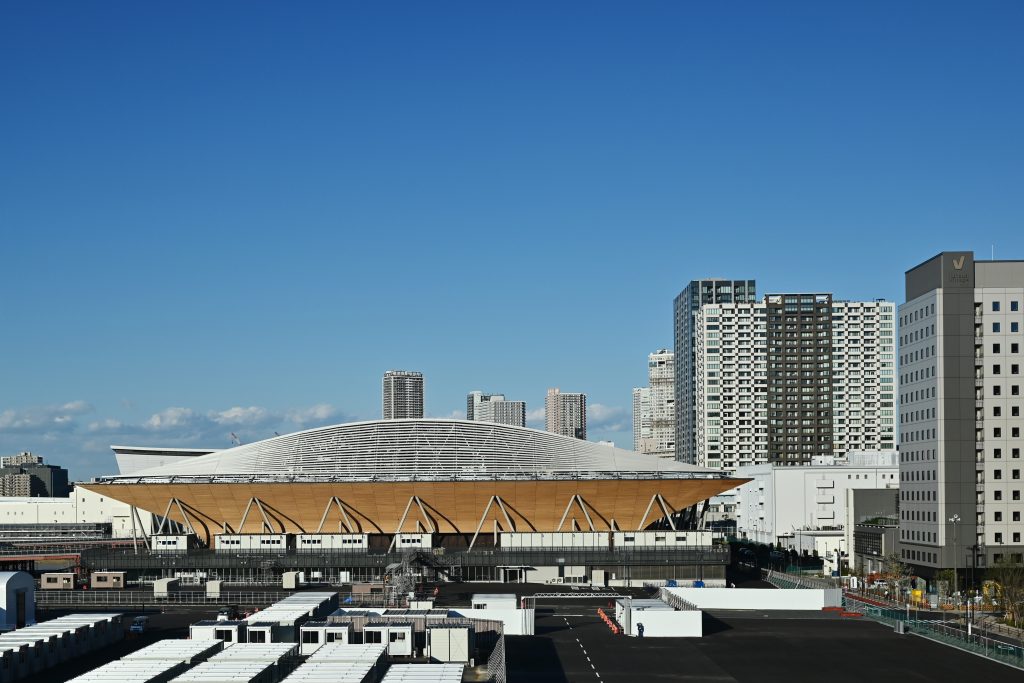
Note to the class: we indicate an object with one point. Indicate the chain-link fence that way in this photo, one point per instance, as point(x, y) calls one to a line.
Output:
point(496, 662)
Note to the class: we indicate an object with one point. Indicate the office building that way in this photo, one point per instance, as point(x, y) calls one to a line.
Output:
point(565, 414)
point(961, 331)
point(481, 407)
point(26, 475)
point(654, 414)
point(402, 395)
point(685, 309)
point(791, 378)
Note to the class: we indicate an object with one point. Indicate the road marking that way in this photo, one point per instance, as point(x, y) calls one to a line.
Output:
point(593, 667)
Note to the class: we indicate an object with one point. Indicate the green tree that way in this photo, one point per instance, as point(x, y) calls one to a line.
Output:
point(1010, 577)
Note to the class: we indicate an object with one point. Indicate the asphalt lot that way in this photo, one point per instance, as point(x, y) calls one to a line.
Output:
point(741, 647)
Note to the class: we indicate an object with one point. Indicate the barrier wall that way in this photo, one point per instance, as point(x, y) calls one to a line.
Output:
point(760, 598)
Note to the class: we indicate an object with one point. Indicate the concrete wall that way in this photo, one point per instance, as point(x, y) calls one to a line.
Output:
point(758, 598)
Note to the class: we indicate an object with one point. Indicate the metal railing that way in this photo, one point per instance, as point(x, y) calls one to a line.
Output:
point(784, 580)
point(673, 600)
point(137, 598)
point(208, 559)
point(952, 634)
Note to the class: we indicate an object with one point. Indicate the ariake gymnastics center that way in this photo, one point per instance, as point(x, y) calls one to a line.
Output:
point(465, 500)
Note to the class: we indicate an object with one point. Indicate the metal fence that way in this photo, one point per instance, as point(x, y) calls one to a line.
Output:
point(140, 599)
point(785, 580)
point(209, 559)
point(953, 634)
point(496, 662)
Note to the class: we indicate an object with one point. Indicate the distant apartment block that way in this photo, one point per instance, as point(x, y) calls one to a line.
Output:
point(566, 414)
point(25, 475)
point(961, 335)
point(791, 378)
point(402, 395)
point(481, 407)
point(686, 308)
point(654, 414)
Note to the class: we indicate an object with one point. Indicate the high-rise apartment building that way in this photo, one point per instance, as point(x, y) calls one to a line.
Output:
point(654, 410)
point(685, 309)
point(641, 418)
point(792, 377)
point(402, 394)
point(863, 376)
point(961, 472)
point(566, 414)
point(482, 407)
point(731, 398)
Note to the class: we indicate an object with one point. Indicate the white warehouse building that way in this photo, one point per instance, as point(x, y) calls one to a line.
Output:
point(779, 501)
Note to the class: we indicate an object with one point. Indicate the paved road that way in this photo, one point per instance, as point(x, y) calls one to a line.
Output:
point(572, 645)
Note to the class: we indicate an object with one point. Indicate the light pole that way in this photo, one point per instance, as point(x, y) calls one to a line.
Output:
point(955, 521)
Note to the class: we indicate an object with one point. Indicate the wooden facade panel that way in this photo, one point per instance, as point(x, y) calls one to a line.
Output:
point(454, 507)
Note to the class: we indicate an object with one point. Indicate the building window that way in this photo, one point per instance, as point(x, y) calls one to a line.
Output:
point(1014, 327)
point(995, 327)
point(995, 306)
point(999, 538)
point(996, 369)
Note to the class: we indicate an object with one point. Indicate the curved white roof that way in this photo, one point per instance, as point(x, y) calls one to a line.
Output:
point(421, 449)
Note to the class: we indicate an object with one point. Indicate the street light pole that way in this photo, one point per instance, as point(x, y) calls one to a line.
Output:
point(955, 521)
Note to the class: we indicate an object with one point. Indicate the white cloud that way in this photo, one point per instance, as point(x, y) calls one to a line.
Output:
point(60, 433)
point(43, 418)
point(106, 425)
point(241, 416)
point(607, 418)
point(320, 413)
point(171, 418)
point(535, 417)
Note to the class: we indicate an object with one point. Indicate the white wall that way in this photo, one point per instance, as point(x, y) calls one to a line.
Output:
point(11, 584)
point(759, 598)
point(81, 506)
point(780, 500)
point(667, 623)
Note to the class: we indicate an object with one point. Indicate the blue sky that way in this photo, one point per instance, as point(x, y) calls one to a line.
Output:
point(223, 217)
